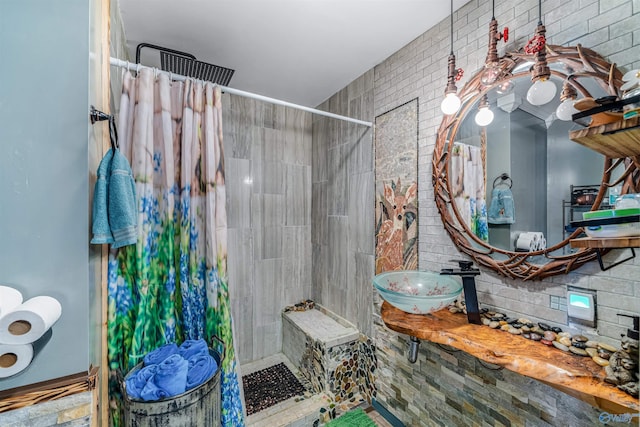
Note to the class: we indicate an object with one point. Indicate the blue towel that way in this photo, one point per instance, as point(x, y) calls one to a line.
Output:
point(502, 209)
point(114, 214)
point(160, 354)
point(201, 368)
point(140, 378)
point(191, 348)
point(152, 392)
point(100, 218)
point(123, 215)
point(172, 375)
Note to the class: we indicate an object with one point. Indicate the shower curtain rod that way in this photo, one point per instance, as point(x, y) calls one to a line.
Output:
point(130, 66)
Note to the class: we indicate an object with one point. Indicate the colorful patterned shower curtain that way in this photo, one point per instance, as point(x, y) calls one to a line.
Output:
point(172, 285)
point(468, 185)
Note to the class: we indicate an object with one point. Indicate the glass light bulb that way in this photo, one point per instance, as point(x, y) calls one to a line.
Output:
point(450, 103)
point(490, 74)
point(566, 109)
point(541, 92)
point(505, 87)
point(484, 116)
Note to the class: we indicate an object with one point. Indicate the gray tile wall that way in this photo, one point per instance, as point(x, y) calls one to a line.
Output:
point(342, 205)
point(268, 170)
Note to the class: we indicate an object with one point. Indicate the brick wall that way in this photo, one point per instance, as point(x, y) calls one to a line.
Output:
point(611, 28)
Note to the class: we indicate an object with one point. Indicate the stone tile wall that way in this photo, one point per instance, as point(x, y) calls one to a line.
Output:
point(74, 410)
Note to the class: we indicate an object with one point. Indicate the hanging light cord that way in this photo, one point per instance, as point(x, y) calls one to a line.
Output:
point(451, 27)
point(539, 12)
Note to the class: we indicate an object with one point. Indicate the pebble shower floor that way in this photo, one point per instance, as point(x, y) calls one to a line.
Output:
point(270, 386)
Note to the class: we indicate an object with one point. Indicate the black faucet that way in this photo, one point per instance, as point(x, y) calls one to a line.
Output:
point(467, 272)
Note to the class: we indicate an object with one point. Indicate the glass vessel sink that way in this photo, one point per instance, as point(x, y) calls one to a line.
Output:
point(417, 292)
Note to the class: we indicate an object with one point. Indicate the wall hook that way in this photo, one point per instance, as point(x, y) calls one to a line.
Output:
point(97, 115)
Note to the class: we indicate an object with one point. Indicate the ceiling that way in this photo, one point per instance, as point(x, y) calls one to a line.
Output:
point(300, 51)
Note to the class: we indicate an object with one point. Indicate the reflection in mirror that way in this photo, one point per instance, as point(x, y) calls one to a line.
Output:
point(521, 169)
point(507, 191)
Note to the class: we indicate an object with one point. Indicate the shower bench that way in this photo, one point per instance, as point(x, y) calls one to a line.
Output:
point(330, 352)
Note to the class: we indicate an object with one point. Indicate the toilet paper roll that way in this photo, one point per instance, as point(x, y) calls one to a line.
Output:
point(526, 242)
point(14, 358)
point(542, 244)
point(30, 320)
point(10, 298)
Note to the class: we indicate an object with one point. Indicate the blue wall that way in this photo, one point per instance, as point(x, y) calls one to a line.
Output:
point(44, 195)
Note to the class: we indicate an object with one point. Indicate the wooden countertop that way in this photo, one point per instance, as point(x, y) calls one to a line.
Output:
point(577, 376)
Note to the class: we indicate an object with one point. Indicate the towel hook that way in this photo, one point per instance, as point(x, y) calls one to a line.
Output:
point(500, 179)
point(97, 115)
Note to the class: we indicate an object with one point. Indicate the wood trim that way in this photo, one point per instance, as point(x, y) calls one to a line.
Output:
point(103, 399)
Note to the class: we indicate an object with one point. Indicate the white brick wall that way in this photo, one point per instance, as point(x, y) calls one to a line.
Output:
point(611, 28)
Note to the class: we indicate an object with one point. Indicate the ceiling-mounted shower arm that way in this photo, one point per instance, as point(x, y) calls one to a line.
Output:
point(153, 46)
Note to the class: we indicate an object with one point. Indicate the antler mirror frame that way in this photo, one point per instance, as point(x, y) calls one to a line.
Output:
point(572, 64)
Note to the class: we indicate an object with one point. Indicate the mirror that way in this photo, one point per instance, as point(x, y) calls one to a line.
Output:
point(508, 191)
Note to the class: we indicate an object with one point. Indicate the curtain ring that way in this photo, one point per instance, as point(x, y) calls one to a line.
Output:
point(128, 66)
point(137, 68)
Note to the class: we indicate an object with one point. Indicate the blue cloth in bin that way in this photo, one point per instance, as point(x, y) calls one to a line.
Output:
point(190, 348)
point(153, 392)
point(159, 354)
point(172, 375)
point(201, 368)
point(139, 379)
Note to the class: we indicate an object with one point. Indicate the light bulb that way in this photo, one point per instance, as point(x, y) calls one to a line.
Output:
point(484, 116)
point(450, 103)
point(505, 87)
point(566, 109)
point(490, 74)
point(541, 92)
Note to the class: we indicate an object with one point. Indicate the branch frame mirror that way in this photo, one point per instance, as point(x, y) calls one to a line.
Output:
point(592, 76)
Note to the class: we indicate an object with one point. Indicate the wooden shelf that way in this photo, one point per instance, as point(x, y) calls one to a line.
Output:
point(577, 376)
point(618, 139)
point(606, 243)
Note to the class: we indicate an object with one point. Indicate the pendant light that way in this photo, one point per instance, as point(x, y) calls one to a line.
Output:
point(568, 97)
point(484, 116)
point(492, 70)
point(451, 102)
point(543, 89)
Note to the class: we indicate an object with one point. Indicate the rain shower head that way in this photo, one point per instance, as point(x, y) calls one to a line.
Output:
point(186, 64)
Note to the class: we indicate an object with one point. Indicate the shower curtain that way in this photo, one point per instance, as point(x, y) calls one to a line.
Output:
point(468, 185)
point(172, 285)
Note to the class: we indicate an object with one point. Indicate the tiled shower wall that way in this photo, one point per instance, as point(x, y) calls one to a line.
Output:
point(342, 204)
point(268, 171)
